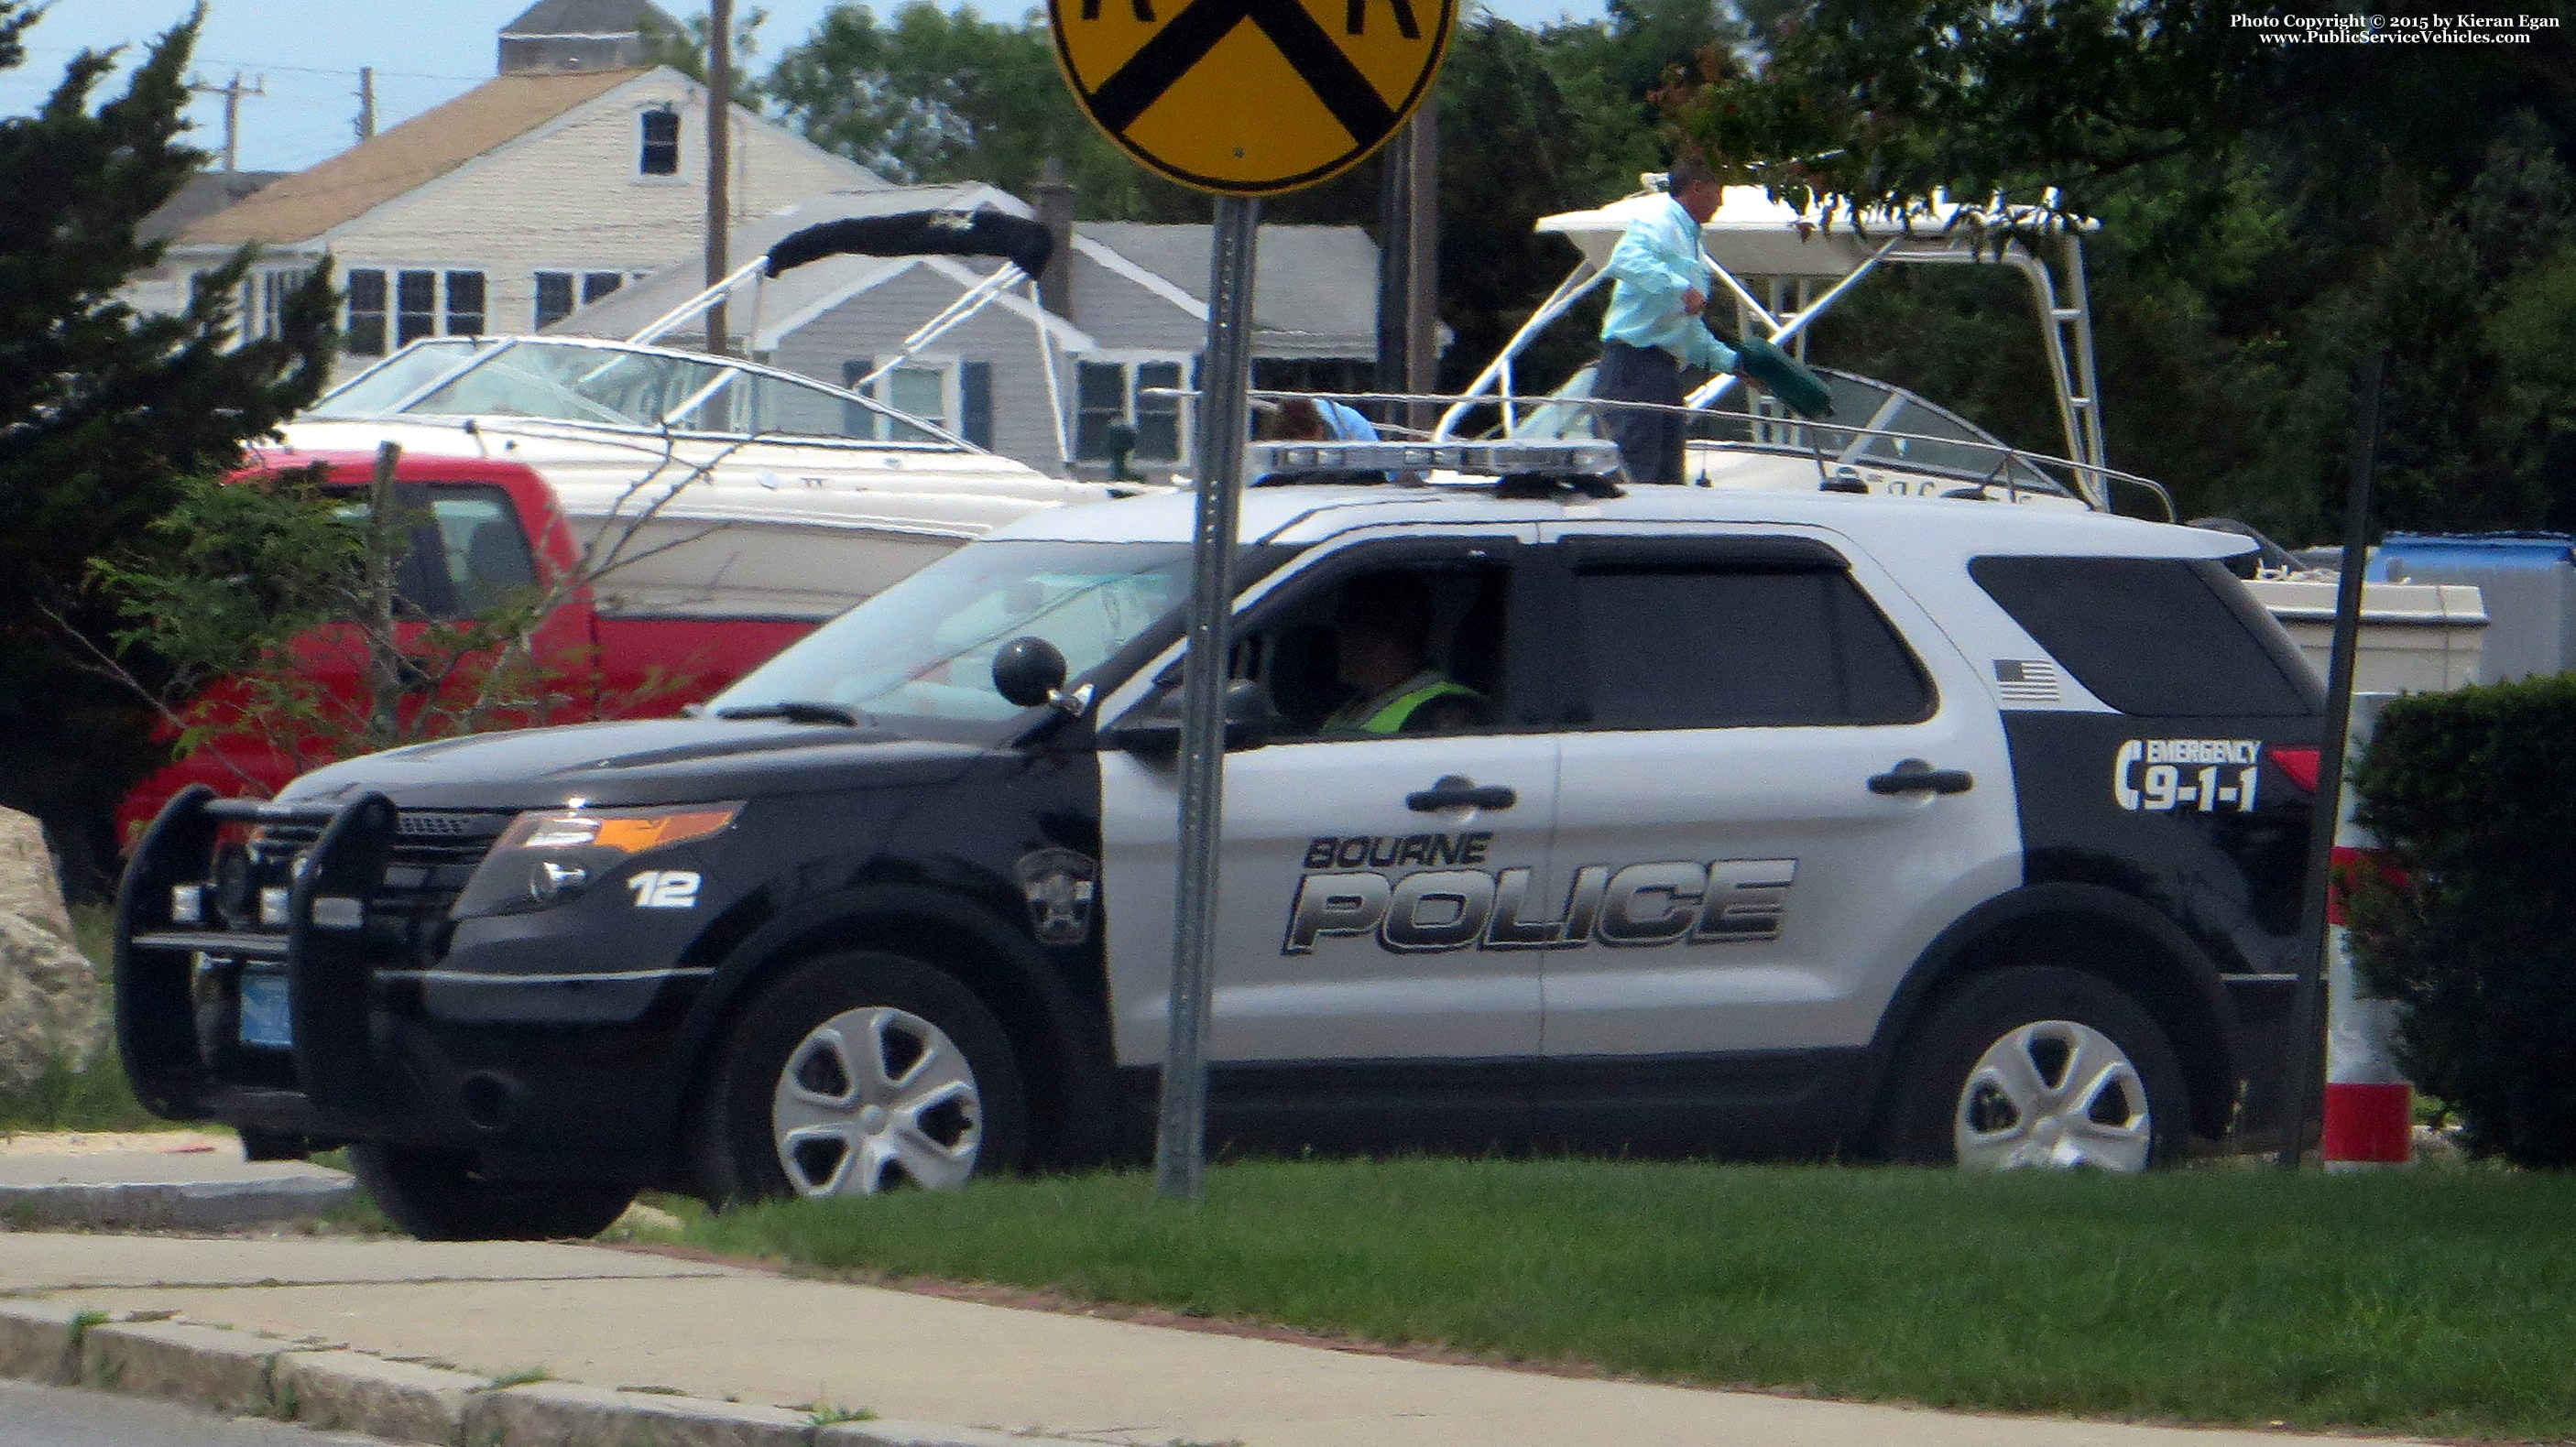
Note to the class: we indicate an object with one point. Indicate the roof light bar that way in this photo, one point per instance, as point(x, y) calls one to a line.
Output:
point(1582, 457)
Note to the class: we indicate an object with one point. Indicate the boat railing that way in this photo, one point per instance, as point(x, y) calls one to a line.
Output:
point(2064, 476)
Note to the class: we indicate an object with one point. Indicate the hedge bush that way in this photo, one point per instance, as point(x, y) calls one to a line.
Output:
point(2475, 935)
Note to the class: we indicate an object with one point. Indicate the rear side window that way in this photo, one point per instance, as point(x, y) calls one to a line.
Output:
point(2153, 635)
point(1671, 643)
point(465, 552)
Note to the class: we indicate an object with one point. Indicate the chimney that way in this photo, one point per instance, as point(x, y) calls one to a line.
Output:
point(1055, 211)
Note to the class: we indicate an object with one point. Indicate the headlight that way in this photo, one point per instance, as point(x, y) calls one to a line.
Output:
point(546, 857)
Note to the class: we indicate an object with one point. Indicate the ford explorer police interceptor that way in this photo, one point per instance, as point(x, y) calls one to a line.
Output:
point(1761, 823)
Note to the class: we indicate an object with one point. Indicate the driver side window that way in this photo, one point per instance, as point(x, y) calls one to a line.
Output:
point(1400, 649)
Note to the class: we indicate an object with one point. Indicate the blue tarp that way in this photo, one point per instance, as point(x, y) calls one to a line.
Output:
point(2411, 553)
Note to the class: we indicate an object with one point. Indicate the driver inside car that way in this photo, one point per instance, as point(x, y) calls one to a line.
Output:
point(1382, 652)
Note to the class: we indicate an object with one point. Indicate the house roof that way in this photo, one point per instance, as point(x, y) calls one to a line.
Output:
point(786, 301)
point(201, 196)
point(420, 150)
point(587, 18)
point(1317, 283)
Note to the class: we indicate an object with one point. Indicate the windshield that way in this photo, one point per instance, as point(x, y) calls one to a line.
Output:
point(383, 387)
point(918, 657)
point(615, 387)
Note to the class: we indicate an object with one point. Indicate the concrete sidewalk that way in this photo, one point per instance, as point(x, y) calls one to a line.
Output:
point(612, 1318)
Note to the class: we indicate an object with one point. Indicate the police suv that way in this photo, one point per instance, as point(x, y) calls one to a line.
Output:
point(1748, 823)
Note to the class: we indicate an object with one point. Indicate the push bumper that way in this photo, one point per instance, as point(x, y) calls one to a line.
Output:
point(389, 1037)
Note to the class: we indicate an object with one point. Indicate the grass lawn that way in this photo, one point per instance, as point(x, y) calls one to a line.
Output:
point(2437, 1303)
point(95, 1097)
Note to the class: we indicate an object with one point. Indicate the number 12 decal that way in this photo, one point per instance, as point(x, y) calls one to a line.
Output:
point(665, 889)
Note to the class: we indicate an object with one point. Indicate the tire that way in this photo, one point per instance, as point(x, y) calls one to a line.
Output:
point(436, 1196)
point(795, 1109)
point(2038, 1066)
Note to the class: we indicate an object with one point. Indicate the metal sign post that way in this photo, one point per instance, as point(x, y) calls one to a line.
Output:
point(2305, 1057)
point(1180, 1147)
point(1243, 98)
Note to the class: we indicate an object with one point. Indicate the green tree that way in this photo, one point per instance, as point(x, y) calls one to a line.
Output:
point(103, 411)
point(932, 95)
point(2272, 214)
point(685, 50)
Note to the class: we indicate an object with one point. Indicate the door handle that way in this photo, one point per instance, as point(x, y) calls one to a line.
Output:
point(1457, 791)
point(1914, 776)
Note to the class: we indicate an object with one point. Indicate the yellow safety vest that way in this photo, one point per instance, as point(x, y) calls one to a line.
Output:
point(1391, 716)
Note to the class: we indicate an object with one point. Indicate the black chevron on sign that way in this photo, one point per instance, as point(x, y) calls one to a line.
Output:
point(1180, 45)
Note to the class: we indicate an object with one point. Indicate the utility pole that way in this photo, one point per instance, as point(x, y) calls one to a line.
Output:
point(719, 163)
point(1422, 261)
point(366, 104)
point(1408, 289)
point(232, 95)
point(1394, 271)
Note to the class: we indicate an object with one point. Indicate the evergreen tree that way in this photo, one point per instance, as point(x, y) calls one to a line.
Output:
point(104, 411)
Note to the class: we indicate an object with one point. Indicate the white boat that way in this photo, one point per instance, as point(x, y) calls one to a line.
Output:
point(711, 486)
point(1781, 269)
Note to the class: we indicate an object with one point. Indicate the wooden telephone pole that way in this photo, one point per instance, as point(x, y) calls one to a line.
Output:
point(719, 163)
point(232, 95)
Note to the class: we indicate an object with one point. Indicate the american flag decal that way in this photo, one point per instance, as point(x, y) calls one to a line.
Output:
point(2027, 680)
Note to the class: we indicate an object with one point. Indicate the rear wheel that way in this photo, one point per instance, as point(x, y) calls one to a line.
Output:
point(2039, 1067)
point(859, 1073)
point(437, 1196)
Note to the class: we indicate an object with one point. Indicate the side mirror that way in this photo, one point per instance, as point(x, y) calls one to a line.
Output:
point(1028, 671)
point(1153, 728)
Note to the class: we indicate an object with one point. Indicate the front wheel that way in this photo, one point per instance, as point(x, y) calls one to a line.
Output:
point(438, 1196)
point(859, 1073)
point(2039, 1067)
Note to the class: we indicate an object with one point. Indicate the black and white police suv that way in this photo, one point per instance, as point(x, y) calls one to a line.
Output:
point(1689, 821)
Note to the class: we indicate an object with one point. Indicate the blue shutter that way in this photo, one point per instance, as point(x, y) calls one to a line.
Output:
point(975, 390)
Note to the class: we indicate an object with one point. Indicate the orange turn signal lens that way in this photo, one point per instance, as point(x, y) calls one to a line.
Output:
point(627, 831)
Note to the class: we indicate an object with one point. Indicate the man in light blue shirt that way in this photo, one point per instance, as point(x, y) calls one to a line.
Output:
point(1653, 328)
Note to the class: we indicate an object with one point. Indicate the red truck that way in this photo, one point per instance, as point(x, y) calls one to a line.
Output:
point(696, 513)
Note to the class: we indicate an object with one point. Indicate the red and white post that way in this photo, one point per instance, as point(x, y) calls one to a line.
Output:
point(2369, 1107)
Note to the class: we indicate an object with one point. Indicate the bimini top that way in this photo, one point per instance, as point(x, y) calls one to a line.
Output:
point(620, 387)
point(1754, 235)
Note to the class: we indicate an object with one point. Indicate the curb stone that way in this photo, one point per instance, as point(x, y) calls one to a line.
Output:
point(329, 1387)
point(559, 1414)
point(40, 1341)
point(176, 1206)
point(203, 1365)
point(354, 1392)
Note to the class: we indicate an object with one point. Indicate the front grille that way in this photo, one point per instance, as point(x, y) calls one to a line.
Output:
point(435, 853)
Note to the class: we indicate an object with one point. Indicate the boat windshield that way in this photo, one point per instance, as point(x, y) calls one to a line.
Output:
point(918, 657)
point(623, 387)
point(1932, 440)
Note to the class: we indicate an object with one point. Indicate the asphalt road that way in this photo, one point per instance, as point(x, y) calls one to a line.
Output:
point(32, 1416)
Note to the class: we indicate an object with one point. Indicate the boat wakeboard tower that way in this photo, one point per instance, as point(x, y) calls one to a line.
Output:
point(1023, 244)
point(1782, 269)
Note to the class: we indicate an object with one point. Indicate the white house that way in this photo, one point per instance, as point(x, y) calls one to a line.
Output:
point(575, 170)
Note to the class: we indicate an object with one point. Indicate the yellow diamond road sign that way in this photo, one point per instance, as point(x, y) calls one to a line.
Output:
point(1250, 97)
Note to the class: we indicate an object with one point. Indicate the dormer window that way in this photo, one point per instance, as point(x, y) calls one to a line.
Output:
point(660, 154)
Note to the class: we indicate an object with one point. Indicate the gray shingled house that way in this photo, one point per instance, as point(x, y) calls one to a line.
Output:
point(1134, 320)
